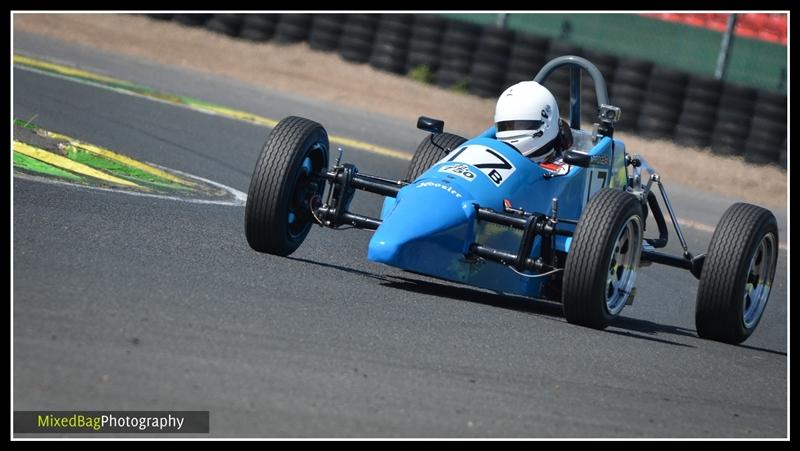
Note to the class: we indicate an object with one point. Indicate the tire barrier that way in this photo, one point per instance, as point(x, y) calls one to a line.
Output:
point(326, 29)
point(698, 112)
point(192, 20)
point(490, 62)
point(426, 42)
point(227, 24)
point(390, 50)
point(656, 101)
point(628, 90)
point(160, 16)
point(662, 103)
point(528, 53)
point(259, 27)
point(459, 42)
point(608, 66)
point(767, 129)
point(292, 28)
point(735, 111)
point(358, 33)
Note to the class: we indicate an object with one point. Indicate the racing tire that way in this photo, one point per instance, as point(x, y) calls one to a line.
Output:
point(603, 259)
point(737, 274)
point(431, 150)
point(277, 213)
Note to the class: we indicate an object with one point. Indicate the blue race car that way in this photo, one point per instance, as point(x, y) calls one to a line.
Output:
point(480, 213)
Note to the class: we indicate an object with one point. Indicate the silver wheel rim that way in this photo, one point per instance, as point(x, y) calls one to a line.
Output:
point(623, 265)
point(759, 281)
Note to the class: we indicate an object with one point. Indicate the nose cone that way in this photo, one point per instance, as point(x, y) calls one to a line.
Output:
point(431, 219)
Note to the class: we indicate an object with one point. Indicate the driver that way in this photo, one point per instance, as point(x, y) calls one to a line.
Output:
point(526, 118)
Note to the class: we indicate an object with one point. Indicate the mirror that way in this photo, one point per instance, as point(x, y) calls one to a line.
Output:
point(577, 158)
point(430, 124)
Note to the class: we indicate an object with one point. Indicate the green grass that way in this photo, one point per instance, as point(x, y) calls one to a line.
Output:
point(421, 73)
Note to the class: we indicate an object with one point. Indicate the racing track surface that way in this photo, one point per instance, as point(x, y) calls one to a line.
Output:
point(132, 303)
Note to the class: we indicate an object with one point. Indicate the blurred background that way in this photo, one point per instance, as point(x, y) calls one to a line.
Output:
point(713, 81)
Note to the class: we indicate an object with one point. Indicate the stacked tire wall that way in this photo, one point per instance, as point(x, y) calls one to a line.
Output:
point(656, 101)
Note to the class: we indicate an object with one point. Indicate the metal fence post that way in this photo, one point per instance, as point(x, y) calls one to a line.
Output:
point(502, 20)
point(725, 48)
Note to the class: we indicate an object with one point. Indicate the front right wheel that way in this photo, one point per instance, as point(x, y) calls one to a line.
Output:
point(737, 274)
point(432, 149)
point(603, 259)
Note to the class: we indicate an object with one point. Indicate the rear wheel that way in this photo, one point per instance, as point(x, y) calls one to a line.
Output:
point(737, 274)
point(603, 259)
point(278, 213)
point(432, 149)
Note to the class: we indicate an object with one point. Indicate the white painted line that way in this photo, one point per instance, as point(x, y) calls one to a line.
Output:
point(238, 200)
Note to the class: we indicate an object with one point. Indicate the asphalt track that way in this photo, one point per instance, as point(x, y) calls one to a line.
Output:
point(134, 303)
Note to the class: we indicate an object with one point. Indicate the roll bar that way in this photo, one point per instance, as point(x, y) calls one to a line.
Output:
point(576, 63)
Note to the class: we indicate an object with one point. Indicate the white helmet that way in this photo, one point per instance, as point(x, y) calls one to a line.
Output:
point(527, 119)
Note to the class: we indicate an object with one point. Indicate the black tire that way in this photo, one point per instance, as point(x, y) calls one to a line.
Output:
point(388, 62)
point(292, 28)
point(586, 286)
point(693, 106)
point(669, 101)
point(448, 78)
point(321, 40)
point(485, 88)
point(692, 137)
point(627, 77)
point(416, 59)
point(192, 20)
point(354, 53)
point(253, 34)
point(263, 22)
point(486, 72)
point(726, 148)
point(274, 186)
point(698, 121)
point(222, 27)
point(721, 294)
point(430, 47)
point(431, 150)
point(641, 66)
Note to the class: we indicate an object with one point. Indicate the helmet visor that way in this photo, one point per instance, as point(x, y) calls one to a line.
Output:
point(504, 126)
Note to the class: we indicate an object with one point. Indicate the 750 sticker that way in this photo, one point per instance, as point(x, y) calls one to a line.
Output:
point(461, 170)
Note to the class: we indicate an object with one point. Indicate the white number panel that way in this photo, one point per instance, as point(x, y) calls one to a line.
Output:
point(493, 164)
point(597, 179)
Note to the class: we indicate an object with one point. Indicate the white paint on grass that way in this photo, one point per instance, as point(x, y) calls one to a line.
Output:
point(237, 199)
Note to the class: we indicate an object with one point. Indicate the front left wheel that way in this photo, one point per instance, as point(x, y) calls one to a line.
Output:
point(278, 215)
point(737, 274)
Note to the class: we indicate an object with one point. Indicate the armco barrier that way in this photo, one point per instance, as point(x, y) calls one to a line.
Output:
point(656, 101)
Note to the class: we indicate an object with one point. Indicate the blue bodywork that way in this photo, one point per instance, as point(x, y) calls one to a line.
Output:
point(429, 227)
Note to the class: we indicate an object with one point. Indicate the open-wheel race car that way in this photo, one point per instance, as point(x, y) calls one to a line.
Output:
point(477, 211)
